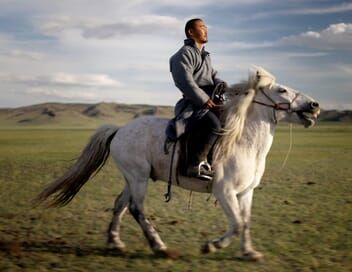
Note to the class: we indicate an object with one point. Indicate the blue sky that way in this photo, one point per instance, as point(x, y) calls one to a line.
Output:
point(118, 51)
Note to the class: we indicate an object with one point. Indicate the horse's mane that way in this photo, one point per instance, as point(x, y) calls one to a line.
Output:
point(233, 116)
point(234, 112)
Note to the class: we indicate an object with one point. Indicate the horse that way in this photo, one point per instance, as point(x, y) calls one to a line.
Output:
point(250, 116)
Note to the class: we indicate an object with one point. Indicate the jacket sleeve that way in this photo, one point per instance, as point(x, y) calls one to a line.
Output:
point(182, 68)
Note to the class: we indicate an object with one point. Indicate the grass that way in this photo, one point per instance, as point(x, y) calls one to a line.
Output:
point(302, 215)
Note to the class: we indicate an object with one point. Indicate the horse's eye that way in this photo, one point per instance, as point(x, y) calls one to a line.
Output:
point(282, 91)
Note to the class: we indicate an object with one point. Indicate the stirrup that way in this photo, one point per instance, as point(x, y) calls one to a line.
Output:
point(207, 167)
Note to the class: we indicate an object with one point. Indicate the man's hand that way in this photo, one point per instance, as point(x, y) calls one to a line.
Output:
point(210, 104)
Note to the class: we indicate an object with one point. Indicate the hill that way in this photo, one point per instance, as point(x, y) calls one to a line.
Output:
point(81, 115)
point(77, 115)
point(336, 116)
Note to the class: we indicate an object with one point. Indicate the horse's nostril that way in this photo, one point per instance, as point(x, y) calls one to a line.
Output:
point(314, 105)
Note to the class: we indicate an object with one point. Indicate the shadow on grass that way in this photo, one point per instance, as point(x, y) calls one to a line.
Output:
point(18, 248)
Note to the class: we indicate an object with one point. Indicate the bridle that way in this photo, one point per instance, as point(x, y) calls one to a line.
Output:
point(277, 106)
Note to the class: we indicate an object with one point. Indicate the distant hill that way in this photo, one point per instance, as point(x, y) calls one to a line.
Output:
point(77, 115)
point(92, 115)
point(336, 116)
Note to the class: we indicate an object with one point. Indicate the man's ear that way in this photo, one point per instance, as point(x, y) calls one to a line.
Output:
point(190, 32)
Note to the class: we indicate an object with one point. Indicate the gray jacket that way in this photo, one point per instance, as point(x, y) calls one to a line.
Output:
point(195, 77)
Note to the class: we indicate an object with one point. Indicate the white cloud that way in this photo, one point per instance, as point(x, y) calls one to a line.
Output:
point(336, 36)
point(108, 7)
point(304, 54)
point(63, 80)
point(199, 3)
point(345, 69)
point(344, 7)
point(23, 54)
point(78, 95)
point(120, 95)
point(103, 29)
point(65, 86)
point(247, 45)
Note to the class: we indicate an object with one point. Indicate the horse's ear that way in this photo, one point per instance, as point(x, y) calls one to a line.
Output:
point(260, 78)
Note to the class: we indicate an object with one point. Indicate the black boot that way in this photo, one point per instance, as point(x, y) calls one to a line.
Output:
point(198, 166)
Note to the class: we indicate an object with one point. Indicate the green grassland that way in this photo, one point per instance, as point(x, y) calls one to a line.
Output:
point(302, 215)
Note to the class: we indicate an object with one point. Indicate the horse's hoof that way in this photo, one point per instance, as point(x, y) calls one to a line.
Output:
point(254, 256)
point(167, 253)
point(208, 248)
point(116, 248)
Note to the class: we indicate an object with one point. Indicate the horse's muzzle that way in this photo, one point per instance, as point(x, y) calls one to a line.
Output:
point(309, 114)
point(314, 106)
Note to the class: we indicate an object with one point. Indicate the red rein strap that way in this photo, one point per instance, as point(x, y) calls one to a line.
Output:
point(276, 106)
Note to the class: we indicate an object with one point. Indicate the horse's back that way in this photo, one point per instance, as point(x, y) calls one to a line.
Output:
point(139, 140)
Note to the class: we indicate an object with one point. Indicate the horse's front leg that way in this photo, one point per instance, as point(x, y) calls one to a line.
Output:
point(248, 251)
point(229, 202)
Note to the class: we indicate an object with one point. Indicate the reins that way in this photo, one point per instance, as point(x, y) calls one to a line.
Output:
point(276, 106)
point(288, 151)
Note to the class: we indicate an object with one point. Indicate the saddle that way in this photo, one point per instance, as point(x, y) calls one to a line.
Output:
point(187, 142)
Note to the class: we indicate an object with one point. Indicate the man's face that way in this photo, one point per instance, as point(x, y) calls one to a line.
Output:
point(199, 32)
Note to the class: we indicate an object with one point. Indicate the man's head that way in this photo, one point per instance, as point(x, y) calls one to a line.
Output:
point(197, 30)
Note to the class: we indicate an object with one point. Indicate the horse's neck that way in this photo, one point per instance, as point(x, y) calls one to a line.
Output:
point(259, 131)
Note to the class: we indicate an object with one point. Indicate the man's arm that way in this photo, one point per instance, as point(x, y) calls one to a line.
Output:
point(182, 68)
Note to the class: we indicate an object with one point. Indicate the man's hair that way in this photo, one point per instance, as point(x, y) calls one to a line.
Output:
point(190, 24)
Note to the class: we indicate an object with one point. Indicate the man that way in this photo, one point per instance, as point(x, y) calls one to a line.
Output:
point(194, 75)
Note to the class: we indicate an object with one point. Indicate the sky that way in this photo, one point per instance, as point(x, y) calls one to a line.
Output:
point(118, 51)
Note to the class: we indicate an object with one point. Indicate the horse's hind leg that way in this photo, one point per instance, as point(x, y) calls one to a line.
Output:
point(121, 203)
point(138, 190)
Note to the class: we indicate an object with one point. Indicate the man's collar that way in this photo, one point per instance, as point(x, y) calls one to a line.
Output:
point(192, 43)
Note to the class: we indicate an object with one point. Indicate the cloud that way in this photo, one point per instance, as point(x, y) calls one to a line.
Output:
point(247, 45)
point(22, 54)
point(65, 86)
point(304, 54)
point(344, 7)
point(125, 26)
point(64, 80)
point(345, 69)
point(336, 36)
point(199, 3)
point(64, 94)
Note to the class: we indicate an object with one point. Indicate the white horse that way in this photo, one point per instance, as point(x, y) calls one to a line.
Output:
point(253, 109)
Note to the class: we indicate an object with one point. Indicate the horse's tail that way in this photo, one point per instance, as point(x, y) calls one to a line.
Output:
point(91, 160)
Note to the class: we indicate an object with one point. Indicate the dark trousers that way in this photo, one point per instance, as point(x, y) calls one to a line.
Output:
point(204, 133)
